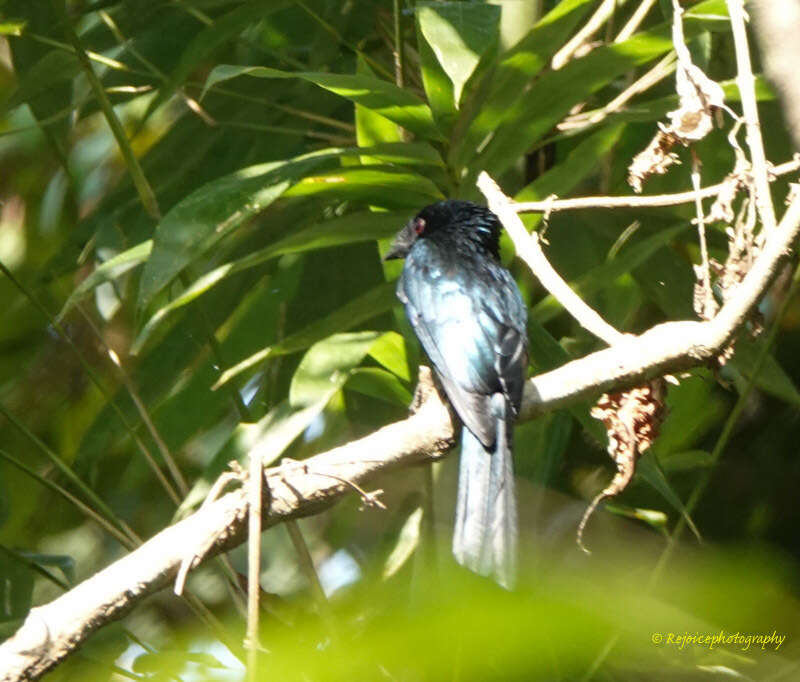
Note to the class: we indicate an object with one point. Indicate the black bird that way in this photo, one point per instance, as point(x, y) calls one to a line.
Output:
point(468, 314)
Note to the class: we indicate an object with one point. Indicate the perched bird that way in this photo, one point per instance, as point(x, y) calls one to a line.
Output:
point(468, 314)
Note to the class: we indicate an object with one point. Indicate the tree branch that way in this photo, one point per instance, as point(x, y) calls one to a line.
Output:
point(655, 200)
point(51, 632)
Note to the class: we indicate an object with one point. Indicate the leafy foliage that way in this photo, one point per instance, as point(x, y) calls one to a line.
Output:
point(139, 355)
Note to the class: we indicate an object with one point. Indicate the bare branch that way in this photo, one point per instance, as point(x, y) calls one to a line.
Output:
point(529, 250)
point(591, 27)
point(51, 632)
point(747, 91)
point(580, 203)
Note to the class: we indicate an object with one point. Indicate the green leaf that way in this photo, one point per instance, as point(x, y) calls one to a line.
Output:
point(648, 468)
point(380, 96)
point(686, 460)
point(349, 229)
point(110, 270)
point(269, 437)
point(694, 408)
point(378, 383)
point(516, 68)
point(407, 542)
point(438, 87)
point(328, 363)
point(371, 127)
point(390, 351)
point(12, 28)
point(384, 187)
point(459, 34)
point(536, 111)
point(545, 354)
point(200, 220)
point(771, 377)
point(210, 39)
point(359, 310)
point(53, 69)
point(209, 213)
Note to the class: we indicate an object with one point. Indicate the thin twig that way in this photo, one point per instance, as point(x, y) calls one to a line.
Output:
point(747, 92)
point(143, 187)
point(708, 296)
point(635, 21)
point(585, 119)
point(633, 201)
point(177, 475)
point(255, 480)
point(529, 250)
point(591, 27)
point(399, 52)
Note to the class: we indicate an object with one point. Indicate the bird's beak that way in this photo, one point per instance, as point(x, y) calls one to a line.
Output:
point(402, 243)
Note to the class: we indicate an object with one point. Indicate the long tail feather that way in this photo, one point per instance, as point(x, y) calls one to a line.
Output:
point(485, 537)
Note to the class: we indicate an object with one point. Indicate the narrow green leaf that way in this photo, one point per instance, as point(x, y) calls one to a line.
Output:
point(371, 127)
point(378, 95)
point(648, 468)
point(694, 408)
point(270, 436)
point(53, 69)
point(407, 542)
point(12, 28)
point(516, 68)
point(200, 220)
point(225, 28)
point(349, 229)
point(209, 213)
point(687, 460)
point(771, 377)
point(438, 87)
point(383, 187)
point(110, 270)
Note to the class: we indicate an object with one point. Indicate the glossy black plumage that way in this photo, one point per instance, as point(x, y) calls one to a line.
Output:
point(469, 316)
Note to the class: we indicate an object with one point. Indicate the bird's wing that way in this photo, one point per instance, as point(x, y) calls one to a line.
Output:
point(507, 308)
point(465, 326)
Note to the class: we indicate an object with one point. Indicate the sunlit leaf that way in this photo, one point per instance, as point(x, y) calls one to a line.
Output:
point(459, 33)
point(516, 68)
point(378, 383)
point(390, 351)
point(328, 363)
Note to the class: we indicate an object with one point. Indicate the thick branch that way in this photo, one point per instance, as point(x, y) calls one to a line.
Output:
point(51, 632)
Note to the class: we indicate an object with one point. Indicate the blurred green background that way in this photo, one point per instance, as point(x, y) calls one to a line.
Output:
point(195, 196)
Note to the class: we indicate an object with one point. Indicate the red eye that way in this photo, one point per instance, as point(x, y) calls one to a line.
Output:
point(419, 225)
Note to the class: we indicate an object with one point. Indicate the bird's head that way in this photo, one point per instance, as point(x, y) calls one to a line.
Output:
point(452, 221)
